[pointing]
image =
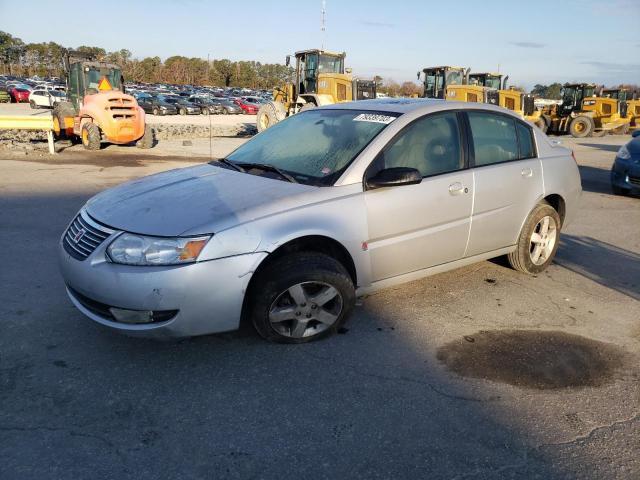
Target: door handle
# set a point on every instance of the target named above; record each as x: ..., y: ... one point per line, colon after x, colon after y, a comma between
x: 457, y: 188
x: 526, y: 172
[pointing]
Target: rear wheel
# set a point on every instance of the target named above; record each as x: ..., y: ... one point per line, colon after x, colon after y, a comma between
x: 538, y: 241
x: 301, y: 297
x: 205, y: 110
x: 581, y: 126
x: 32, y: 104
x: 183, y: 111
x: 148, y: 139
x: 91, y: 136
x: 155, y: 111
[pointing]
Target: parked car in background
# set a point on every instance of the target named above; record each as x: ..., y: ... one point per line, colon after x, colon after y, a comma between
x: 248, y: 108
x: 19, y: 94
x: 184, y: 106
x: 257, y: 101
x: 329, y: 204
x: 229, y: 108
x: 207, y: 106
x: 157, y: 106
x: 625, y: 173
x: 46, y: 98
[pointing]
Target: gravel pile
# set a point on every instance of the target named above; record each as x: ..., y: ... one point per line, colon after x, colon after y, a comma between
x: 28, y: 141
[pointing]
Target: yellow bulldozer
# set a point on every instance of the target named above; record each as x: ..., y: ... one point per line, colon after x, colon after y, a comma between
x: 456, y: 83
x: 583, y: 114
x: 320, y: 78
x: 629, y: 104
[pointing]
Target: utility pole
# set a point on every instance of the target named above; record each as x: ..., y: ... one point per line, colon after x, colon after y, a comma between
x: 323, y: 28
x: 208, y: 64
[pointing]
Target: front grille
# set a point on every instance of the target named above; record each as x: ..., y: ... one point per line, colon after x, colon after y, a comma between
x: 83, y: 236
x: 634, y: 180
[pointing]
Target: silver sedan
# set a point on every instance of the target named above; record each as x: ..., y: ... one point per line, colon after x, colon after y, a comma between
x: 332, y: 203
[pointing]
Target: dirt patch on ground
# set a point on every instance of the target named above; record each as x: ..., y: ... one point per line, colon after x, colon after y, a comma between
x: 533, y: 359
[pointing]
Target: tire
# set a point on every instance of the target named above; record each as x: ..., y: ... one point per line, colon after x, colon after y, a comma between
x: 523, y: 258
x: 308, y: 275
x: 33, y: 105
x: 91, y: 136
x: 269, y: 114
x: 155, y: 111
x: 61, y: 111
x: 148, y: 140
x: 618, y: 191
x: 581, y: 126
x: 205, y: 111
x: 225, y: 111
x: 183, y: 111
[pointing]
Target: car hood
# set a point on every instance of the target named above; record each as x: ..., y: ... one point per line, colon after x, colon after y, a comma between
x: 197, y: 200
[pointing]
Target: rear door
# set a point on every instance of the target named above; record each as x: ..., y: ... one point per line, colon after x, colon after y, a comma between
x: 412, y: 227
x: 507, y: 179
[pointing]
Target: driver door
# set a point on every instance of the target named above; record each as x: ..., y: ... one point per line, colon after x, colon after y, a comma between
x: 412, y: 227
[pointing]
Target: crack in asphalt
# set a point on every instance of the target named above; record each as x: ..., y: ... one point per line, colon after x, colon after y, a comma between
x: 587, y: 436
x: 356, y: 369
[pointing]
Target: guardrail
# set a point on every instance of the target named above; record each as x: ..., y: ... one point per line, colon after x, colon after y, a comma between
x: 30, y: 122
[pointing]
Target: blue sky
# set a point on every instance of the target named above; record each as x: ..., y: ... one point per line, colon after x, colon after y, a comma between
x: 534, y: 41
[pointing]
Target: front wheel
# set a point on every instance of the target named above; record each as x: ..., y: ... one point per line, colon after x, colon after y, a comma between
x: 301, y: 297
x: 148, y: 139
x: 91, y: 136
x: 155, y: 111
x: 538, y: 241
x: 581, y: 126
x: 183, y: 111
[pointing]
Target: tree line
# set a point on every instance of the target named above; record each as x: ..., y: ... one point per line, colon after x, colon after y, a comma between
x: 46, y: 60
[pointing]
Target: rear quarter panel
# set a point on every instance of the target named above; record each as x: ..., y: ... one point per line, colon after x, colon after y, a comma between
x: 560, y: 174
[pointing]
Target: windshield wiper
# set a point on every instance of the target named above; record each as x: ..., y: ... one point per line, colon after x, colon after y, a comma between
x: 271, y: 168
x: 235, y: 166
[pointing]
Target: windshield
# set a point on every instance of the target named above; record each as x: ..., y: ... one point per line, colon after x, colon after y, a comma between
x: 113, y: 75
x: 493, y: 82
x: 314, y: 146
x: 454, y: 77
x: 329, y: 64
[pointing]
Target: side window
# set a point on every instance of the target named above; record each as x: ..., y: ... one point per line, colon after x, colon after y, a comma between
x: 525, y: 140
x: 430, y: 145
x: 494, y: 138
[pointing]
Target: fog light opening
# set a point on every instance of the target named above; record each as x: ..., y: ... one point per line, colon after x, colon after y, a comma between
x: 132, y: 316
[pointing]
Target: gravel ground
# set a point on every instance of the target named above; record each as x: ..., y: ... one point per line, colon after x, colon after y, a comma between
x: 481, y: 372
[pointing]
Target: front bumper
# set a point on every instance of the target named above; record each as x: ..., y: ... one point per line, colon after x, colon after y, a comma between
x: 625, y: 174
x: 202, y: 298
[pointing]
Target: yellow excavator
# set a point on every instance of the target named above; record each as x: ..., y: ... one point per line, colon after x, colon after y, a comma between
x: 320, y: 79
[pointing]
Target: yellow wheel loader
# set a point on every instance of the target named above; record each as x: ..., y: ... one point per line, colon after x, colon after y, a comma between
x: 320, y: 79
x: 629, y: 105
x: 583, y: 114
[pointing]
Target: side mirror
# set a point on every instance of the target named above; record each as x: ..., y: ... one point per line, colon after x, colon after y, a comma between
x: 394, y: 177
x: 419, y: 75
x: 635, y: 133
x: 288, y: 60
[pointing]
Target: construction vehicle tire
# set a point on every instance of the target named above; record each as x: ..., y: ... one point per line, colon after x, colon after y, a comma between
x: 61, y: 111
x: 91, y: 136
x: 148, y: 139
x: 581, y: 126
x: 269, y: 114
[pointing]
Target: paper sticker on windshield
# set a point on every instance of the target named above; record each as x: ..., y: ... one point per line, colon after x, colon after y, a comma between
x: 375, y: 118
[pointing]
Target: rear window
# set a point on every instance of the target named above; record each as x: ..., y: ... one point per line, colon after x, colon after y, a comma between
x: 494, y: 138
x: 525, y: 140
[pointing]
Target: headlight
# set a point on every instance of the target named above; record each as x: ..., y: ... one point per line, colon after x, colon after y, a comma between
x: 130, y: 249
x: 623, y: 153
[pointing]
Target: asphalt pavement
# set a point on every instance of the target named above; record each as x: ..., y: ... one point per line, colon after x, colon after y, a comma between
x: 480, y: 372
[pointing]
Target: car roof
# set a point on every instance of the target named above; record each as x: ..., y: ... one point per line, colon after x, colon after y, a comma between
x: 410, y: 105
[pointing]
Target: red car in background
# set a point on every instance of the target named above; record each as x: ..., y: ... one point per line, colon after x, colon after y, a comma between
x: 19, y: 94
x: 247, y: 108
